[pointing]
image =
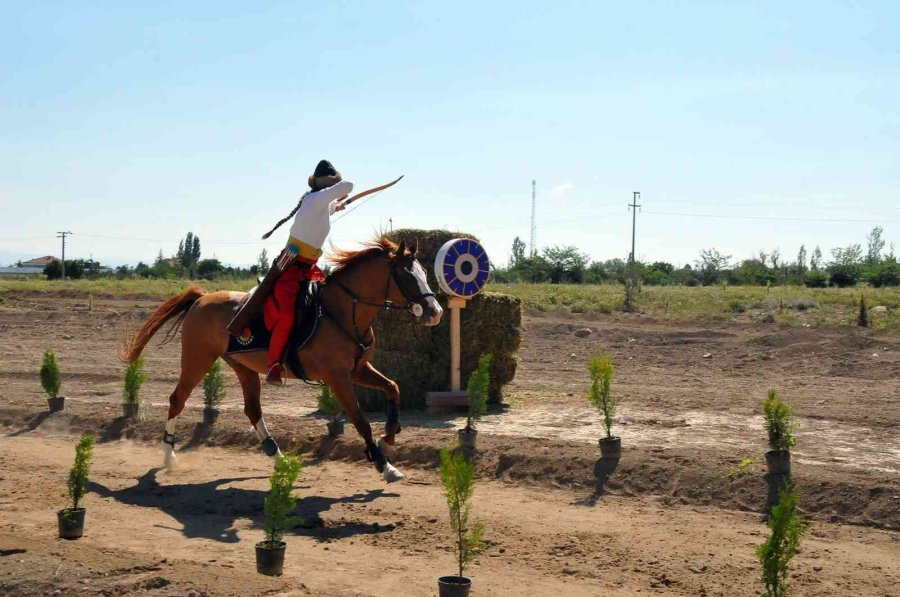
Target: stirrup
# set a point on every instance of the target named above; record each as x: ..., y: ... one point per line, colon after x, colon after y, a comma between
x: 278, y: 382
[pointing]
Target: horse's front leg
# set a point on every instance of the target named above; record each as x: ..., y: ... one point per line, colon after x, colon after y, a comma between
x: 342, y: 387
x: 370, y: 377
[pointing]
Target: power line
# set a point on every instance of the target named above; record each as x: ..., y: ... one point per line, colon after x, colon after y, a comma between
x: 771, y: 218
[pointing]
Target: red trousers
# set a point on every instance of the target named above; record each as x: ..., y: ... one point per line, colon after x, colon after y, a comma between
x: 279, y: 310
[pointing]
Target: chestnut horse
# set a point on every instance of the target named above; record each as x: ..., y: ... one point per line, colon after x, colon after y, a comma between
x: 380, y: 276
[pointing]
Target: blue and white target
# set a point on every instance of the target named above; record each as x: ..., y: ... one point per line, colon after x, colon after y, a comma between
x: 462, y: 267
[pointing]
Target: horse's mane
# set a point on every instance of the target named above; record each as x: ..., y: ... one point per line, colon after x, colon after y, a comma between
x: 344, y: 259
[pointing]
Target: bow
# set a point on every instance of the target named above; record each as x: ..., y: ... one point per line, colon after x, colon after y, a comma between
x: 372, y: 190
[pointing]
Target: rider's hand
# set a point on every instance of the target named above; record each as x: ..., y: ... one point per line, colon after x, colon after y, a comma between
x: 340, y: 206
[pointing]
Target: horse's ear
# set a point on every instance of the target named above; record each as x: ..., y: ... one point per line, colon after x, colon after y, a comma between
x: 414, y: 247
x: 401, y: 250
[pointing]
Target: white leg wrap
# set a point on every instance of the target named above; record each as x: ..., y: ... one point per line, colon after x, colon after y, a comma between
x: 170, y: 461
x: 261, y: 431
x: 391, y: 473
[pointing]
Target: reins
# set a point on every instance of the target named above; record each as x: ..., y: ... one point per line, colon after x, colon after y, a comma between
x: 357, y: 337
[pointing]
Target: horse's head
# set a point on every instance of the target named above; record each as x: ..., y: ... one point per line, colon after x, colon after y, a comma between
x: 412, y: 284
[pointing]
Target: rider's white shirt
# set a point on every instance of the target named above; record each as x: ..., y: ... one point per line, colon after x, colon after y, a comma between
x: 313, y: 220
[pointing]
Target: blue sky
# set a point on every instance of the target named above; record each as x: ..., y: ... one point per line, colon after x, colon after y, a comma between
x: 745, y: 126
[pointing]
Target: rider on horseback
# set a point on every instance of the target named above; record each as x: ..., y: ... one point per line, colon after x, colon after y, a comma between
x: 297, y: 262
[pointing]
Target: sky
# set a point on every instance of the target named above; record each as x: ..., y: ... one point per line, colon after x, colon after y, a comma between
x: 745, y: 126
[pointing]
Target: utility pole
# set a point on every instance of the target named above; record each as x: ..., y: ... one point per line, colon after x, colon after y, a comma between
x: 533, y: 223
x: 391, y: 221
x: 633, y: 206
x: 63, y: 235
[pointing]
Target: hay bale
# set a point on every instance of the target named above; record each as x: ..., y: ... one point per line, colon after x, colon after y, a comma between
x: 418, y: 358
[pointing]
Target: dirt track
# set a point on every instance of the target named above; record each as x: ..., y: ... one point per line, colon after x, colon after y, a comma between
x: 652, y: 524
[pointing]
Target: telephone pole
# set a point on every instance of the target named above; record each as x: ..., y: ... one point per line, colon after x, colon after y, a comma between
x: 533, y: 223
x: 633, y: 206
x: 63, y: 235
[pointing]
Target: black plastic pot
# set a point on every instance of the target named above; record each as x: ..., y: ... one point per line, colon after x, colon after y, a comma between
x: 56, y: 404
x: 467, y: 438
x: 210, y: 414
x: 611, y: 448
x: 71, y: 523
x: 779, y: 462
x: 131, y: 409
x: 270, y: 560
x: 335, y: 427
x: 454, y: 586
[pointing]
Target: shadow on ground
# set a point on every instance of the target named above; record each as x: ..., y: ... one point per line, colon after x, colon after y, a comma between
x: 209, y: 510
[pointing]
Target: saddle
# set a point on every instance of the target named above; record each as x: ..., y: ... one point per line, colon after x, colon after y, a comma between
x: 256, y: 337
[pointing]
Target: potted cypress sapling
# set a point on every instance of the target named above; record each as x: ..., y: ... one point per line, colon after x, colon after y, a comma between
x: 213, y: 392
x: 51, y: 383
x: 458, y: 481
x: 780, y: 426
x: 478, y: 388
x: 71, y: 520
x: 331, y: 406
x: 601, y: 370
x: 776, y: 552
x: 131, y: 387
x: 278, y: 507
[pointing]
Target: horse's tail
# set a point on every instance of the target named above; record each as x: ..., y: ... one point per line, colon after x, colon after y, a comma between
x: 178, y: 305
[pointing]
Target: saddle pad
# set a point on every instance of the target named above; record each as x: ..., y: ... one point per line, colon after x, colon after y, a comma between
x: 256, y: 337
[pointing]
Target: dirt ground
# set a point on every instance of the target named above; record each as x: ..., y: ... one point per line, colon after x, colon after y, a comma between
x: 669, y: 518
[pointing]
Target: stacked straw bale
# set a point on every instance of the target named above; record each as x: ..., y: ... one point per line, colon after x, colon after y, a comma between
x: 418, y: 358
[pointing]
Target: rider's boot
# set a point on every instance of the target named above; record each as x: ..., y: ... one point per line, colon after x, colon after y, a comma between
x: 275, y: 376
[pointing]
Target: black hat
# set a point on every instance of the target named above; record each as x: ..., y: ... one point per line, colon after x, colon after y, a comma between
x: 324, y: 176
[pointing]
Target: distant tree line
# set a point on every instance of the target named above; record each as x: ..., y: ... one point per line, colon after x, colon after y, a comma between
x: 848, y: 266
x: 186, y: 263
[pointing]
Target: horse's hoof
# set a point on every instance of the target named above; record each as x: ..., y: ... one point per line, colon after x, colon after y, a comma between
x: 170, y: 463
x: 391, y: 474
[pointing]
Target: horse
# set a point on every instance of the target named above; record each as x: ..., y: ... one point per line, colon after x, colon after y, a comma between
x: 381, y: 275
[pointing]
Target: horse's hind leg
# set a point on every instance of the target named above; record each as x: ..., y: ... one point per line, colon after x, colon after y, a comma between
x: 252, y: 408
x: 192, y: 372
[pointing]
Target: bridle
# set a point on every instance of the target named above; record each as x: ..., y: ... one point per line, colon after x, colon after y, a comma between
x: 413, y: 300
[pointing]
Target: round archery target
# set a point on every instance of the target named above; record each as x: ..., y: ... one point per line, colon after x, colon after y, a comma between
x: 462, y: 267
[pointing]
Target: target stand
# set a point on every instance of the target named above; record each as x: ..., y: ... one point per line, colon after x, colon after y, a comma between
x: 462, y: 268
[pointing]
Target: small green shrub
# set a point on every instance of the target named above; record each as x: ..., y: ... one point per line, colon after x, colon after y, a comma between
x: 601, y: 369
x: 281, y: 502
x: 50, y: 379
x: 776, y: 552
x: 862, y: 319
x: 134, y: 379
x: 78, y: 474
x: 780, y: 423
x: 214, y: 385
x: 458, y: 481
x: 478, y: 389
x: 743, y: 468
x: 329, y: 404
x: 736, y: 306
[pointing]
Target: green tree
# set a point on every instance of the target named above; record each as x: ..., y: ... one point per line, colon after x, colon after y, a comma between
x: 214, y: 385
x: 600, y: 369
x: 710, y: 266
x: 281, y: 502
x: 801, y: 261
x: 53, y: 270
x: 50, y: 378
x: 133, y: 380
x: 566, y: 264
x: 518, y: 252
x: 846, y: 265
x: 262, y: 262
x: 78, y: 474
x: 478, y: 389
x: 189, y: 253
x: 776, y: 553
x: 875, y: 246
x: 815, y: 261
x: 209, y: 269
x: 458, y: 481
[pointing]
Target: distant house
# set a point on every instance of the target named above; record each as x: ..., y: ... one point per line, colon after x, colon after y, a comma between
x: 39, y: 261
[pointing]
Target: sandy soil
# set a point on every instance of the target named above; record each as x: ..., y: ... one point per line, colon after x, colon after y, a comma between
x: 667, y: 519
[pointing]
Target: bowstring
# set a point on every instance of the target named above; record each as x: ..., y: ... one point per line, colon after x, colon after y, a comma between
x: 353, y: 209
